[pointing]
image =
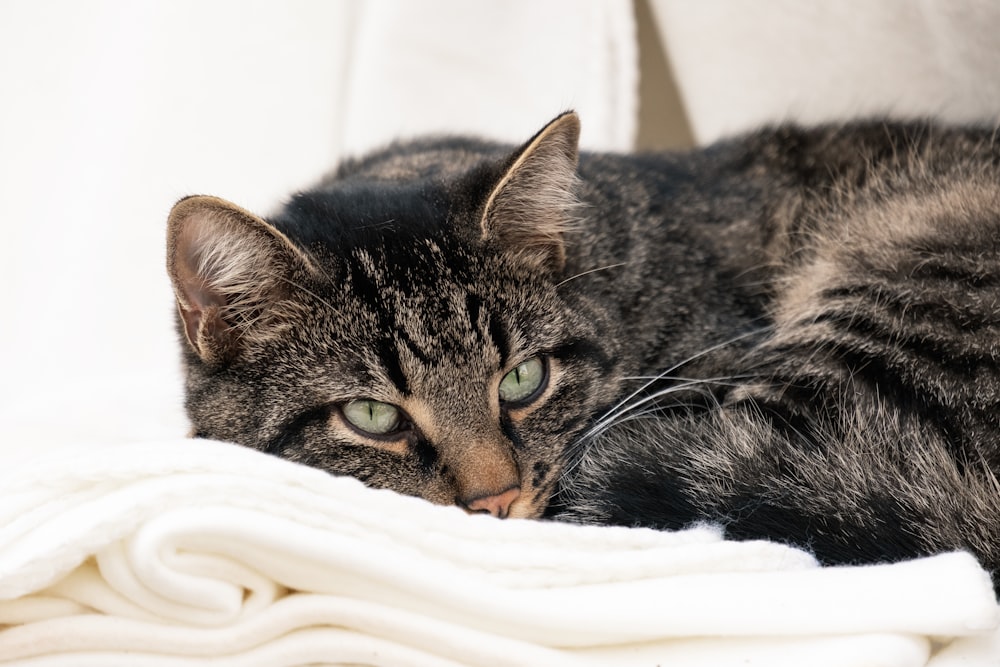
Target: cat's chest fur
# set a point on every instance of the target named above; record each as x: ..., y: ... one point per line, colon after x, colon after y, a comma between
x: 778, y: 332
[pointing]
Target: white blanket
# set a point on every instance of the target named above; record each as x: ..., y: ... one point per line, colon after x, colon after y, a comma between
x: 201, y: 553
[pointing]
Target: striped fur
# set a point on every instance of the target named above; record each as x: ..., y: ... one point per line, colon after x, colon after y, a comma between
x: 795, y: 333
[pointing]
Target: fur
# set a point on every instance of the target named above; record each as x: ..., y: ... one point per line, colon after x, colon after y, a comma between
x: 792, y: 333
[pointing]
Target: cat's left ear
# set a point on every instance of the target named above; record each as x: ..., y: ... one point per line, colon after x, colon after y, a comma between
x: 534, y: 201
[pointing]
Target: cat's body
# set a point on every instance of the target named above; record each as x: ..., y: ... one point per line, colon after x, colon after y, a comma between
x: 795, y: 333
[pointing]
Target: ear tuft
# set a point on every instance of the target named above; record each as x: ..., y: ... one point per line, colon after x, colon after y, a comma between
x: 229, y: 269
x: 534, y: 202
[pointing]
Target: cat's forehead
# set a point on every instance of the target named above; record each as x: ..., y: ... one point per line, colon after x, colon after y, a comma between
x: 347, y: 215
x: 412, y: 322
x: 419, y: 268
x: 432, y: 291
x: 435, y: 303
x: 411, y: 235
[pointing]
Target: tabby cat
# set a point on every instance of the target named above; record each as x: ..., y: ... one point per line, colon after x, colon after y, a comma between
x: 795, y: 334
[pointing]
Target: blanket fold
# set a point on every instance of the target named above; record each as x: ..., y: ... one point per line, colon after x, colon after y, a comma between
x: 201, y: 553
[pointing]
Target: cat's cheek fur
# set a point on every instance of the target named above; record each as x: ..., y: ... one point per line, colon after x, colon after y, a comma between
x: 378, y: 469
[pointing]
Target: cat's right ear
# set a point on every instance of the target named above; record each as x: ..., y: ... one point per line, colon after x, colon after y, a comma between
x: 230, y: 270
x: 535, y: 201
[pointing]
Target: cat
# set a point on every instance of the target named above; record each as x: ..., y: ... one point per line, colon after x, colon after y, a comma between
x: 793, y: 333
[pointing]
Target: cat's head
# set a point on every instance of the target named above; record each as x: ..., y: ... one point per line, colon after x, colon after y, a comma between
x: 404, y: 323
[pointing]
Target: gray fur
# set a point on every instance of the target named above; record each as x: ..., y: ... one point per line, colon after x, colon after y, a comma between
x: 794, y: 333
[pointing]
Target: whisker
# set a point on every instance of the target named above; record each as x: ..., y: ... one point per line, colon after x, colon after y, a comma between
x: 583, y: 273
x: 693, y: 357
x: 629, y: 408
x: 611, y: 417
x: 629, y: 413
x: 649, y: 412
x: 681, y: 378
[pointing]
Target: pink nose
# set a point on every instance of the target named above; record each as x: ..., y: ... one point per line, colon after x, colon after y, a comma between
x: 498, y: 505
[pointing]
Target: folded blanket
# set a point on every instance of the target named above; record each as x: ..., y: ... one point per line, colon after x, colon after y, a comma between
x: 202, y: 553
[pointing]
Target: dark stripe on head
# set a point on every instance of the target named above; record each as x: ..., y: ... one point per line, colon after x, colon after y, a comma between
x: 500, y: 340
x: 363, y: 286
x: 388, y: 354
x: 405, y: 339
x: 473, y: 305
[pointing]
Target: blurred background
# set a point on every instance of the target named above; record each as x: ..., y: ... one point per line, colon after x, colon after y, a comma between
x: 111, y: 110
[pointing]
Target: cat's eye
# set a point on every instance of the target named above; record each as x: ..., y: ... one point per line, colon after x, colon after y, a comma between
x: 524, y: 382
x: 372, y: 417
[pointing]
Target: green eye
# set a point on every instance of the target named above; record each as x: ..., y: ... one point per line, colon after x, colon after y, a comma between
x: 522, y: 382
x: 372, y: 417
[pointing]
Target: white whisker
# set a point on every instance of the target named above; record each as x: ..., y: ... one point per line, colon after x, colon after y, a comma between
x: 681, y: 378
x: 693, y: 357
x: 583, y: 273
x: 610, y: 417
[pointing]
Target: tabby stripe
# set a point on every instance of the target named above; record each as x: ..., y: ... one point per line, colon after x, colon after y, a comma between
x: 936, y: 351
x: 290, y: 430
x: 388, y: 354
x: 507, y: 425
x: 404, y: 337
x: 958, y: 315
x: 873, y: 369
x: 473, y: 306
x: 425, y: 452
x: 581, y: 349
x: 500, y: 339
x: 935, y: 270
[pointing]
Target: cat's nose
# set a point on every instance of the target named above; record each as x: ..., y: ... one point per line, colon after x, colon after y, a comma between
x: 498, y: 505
